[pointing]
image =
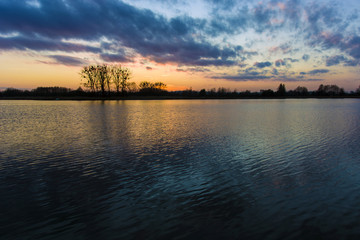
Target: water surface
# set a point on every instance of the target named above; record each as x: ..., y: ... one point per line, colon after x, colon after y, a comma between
x: 180, y: 169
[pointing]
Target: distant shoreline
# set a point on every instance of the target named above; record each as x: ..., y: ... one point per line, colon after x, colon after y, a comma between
x: 167, y: 98
x: 153, y: 93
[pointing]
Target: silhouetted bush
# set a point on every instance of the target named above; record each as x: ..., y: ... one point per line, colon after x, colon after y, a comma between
x: 301, y: 91
x: 51, y: 91
x: 267, y: 93
x: 12, y: 92
x: 330, y: 90
x: 202, y: 93
x: 154, y: 89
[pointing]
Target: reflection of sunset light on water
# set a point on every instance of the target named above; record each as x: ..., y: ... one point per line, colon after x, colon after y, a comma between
x: 131, y: 167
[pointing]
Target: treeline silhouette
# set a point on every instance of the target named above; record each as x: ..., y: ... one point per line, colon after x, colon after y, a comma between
x: 298, y: 92
x: 158, y: 89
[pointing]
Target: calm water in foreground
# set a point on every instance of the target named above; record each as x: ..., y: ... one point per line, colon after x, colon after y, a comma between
x: 180, y: 169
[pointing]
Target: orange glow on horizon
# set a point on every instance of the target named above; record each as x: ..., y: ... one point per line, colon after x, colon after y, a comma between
x: 24, y: 71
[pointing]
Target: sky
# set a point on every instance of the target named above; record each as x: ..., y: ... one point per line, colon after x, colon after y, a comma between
x: 241, y: 45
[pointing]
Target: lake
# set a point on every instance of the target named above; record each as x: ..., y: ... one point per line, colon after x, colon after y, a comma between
x: 180, y: 169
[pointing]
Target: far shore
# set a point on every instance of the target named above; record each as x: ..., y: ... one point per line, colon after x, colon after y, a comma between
x: 81, y: 98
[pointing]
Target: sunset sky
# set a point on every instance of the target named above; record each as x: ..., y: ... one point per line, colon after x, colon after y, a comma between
x: 184, y: 43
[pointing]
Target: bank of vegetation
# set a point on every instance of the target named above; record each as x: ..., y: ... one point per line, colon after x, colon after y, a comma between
x: 157, y: 90
x: 113, y: 82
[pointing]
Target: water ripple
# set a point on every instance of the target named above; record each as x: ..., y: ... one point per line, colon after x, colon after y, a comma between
x: 254, y: 169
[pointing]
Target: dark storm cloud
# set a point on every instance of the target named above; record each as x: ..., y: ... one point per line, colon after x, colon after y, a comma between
x: 262, y: 64
x: 179, y: 26
x: 149, y: 34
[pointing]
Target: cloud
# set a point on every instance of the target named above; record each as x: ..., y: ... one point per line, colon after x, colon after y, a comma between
x: 318, y: 71
x: 262, y: 64
x: 280, y: 62
x: 115, y: 57
x: 105, y: 28
x: 306, y: 57
x: 250, y: 75
x: 320, y: 16
x: 284, y: 49
x: 291, y: 60
x: 285, y: 62
x: 329, y: 29
x: 149, y: 68
x: 193, y: 69
x: 348, y: 45
x: 179, y: 26
x: 67, y: 60
x: 198, y: 69
x: 43, y: 44
x: 352, y: 63
x: 353, y: 47
x: 335, y: 60
x: 148, y: 34
x: 241, y: 78
x: 223, y: 4
x: 275, y: 71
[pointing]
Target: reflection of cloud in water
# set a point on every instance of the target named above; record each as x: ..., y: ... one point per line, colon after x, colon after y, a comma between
x: 214, y: 168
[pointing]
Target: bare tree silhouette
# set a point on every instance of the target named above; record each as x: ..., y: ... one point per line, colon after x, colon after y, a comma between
x: 101, y: 77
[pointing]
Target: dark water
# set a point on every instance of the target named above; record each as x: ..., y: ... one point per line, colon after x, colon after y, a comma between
x: 212, y: 169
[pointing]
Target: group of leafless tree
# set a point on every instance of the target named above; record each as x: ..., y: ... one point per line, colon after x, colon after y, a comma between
x: 104, y: 78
